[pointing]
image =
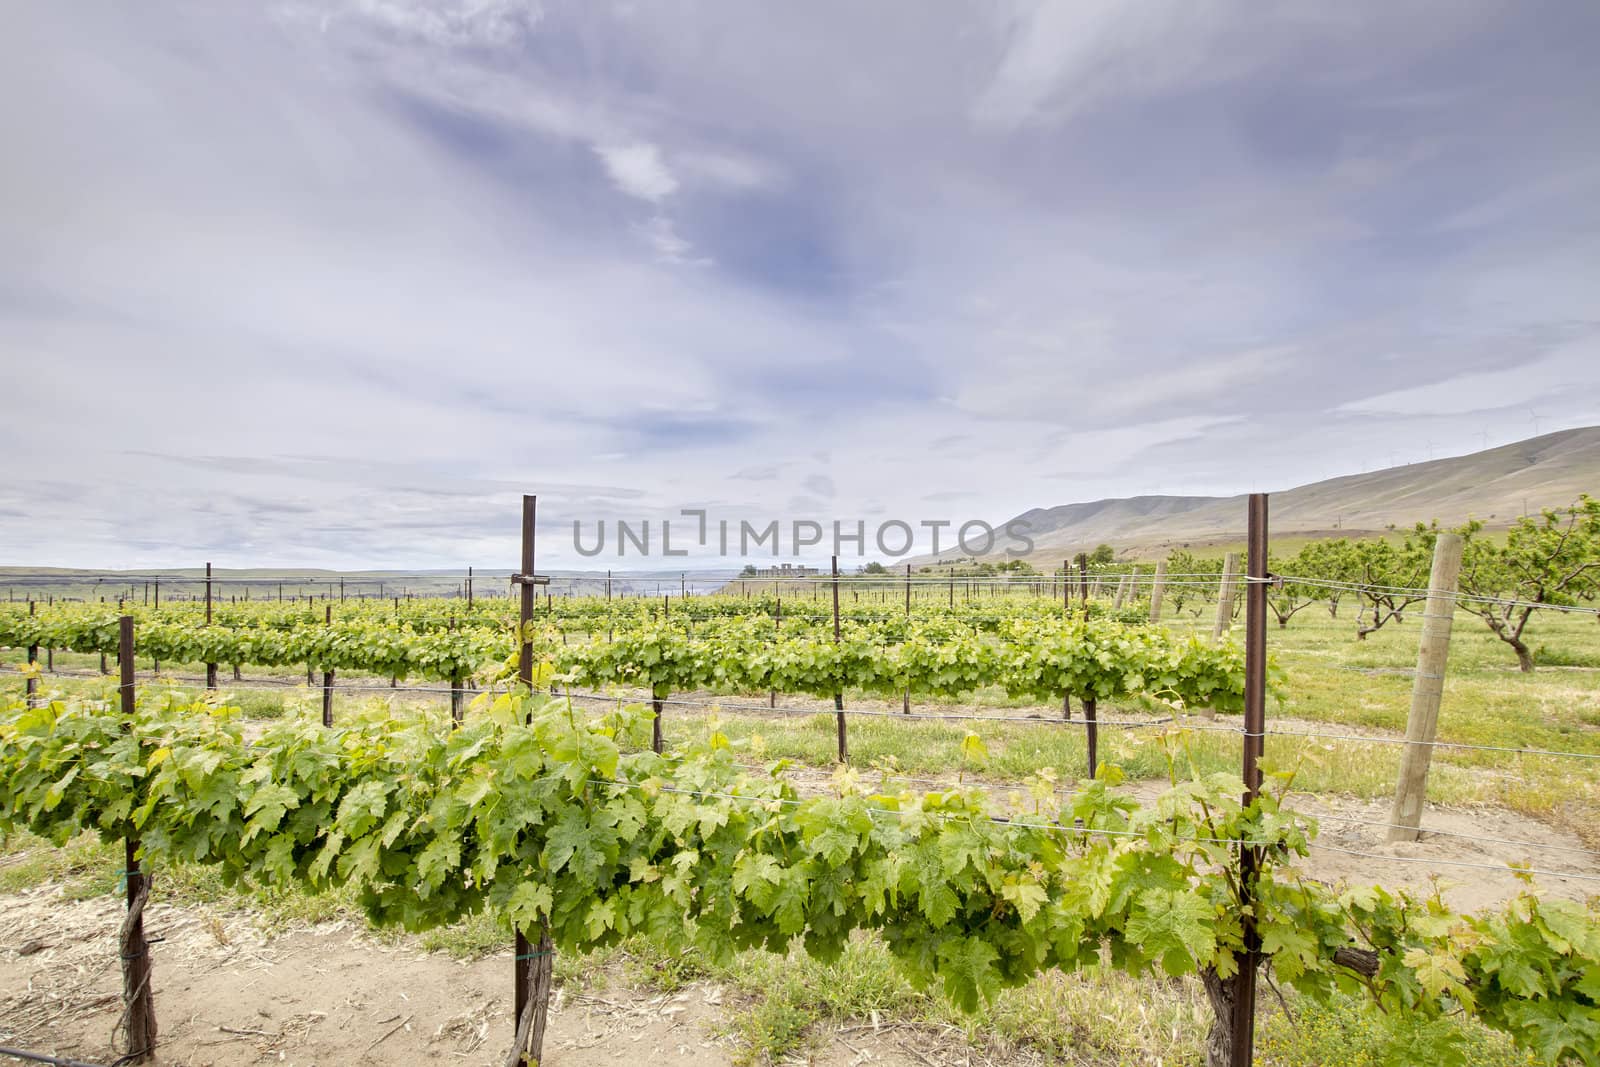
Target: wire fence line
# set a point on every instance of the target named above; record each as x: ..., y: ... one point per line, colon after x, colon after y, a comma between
x: 890, y: 586
x: 1438, y: 594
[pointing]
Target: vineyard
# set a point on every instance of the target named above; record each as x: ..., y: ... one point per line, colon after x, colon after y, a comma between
x: 611, y: 770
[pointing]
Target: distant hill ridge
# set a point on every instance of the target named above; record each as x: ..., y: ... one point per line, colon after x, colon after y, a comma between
x: 1494, y: 485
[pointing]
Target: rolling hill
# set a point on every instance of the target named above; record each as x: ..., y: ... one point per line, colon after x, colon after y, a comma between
x: 1495, y: 485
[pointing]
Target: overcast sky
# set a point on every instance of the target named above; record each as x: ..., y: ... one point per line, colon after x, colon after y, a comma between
x: 334, y: 283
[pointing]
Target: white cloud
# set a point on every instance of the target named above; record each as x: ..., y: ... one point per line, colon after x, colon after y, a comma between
x: 1570, y: 368
x: 638, y: 170
x: 728, y: 170
x: 446, y: 23
x: 1061, y: 56
x: 661, y: 235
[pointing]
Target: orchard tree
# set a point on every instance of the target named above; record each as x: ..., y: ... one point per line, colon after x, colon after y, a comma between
x: 1391, y: 577
x: 1325, y: 561
x: 1187, y: 574
x: 1103, y: 555
x: 1550, y: 561
x: 1289, y: 597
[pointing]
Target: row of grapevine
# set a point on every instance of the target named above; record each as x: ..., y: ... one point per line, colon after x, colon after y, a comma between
x: 534, y: 813
x: 1044, y: 657
x: 589, y: 614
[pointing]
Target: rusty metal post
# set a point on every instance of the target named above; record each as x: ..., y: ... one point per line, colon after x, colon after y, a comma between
x: 1066, y: 588
x: 211, y: 668
x: 838, y: 697
x: 1083, y: 582
x: 777, y: 625
x: 526, y: 589
x: 457, y: 692
x: 138, y: 999
x: 1092, y: 726
x: 1243, y: 1023
x: 31, y: 685
x: 327, y: 676
x: 905, y: 700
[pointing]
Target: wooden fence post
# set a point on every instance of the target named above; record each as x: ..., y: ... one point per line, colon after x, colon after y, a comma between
x: 137, y: 998
x: 1433, y: 650
x: 1157, y: 587
x: 1230, y: 569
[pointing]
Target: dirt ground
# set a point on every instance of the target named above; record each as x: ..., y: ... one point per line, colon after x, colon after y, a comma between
x: 227, y: 993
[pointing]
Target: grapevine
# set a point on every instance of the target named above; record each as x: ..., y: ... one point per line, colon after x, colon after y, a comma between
x: 535, y: 813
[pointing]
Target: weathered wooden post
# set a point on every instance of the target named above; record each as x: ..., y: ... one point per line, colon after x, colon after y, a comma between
x: 1157, y: 587
x: 1230, y: 571
x: 1433, y: 650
